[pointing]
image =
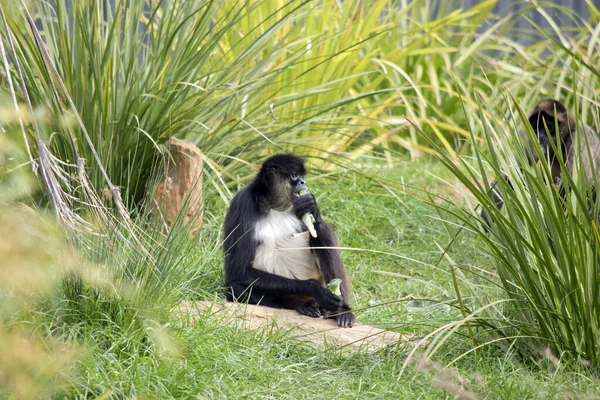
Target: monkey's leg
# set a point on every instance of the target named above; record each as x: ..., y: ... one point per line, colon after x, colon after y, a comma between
x: 309, y: 308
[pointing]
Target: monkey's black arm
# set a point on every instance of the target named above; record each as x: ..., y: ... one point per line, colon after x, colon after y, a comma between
x: 238, y: 231
x: 326, y: 249
x: 325, y: 244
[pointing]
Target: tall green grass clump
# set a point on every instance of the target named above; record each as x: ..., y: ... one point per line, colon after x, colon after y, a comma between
x: 544, y: 243
x: 131, y: 76
x: 318, y: 77
x: 230, y: 76
x: 65, y: 301
x: 541, y: 298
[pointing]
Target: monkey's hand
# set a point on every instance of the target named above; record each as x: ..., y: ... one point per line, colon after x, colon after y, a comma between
x: 327, y: 300
x: 306, y: 204
x: 345, y: 318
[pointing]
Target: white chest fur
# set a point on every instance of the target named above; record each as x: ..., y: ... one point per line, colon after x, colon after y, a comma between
x: 284, y: 248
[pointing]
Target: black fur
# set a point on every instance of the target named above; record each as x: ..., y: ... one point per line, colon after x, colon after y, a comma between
x: 546, y: 117
x: 276, y: 186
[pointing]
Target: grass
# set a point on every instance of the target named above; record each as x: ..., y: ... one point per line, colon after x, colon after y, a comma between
x: 129, y: 345
x: 211, y: 358
x: 222, y: 362
x: 362, y: 90
x: 544, y: 247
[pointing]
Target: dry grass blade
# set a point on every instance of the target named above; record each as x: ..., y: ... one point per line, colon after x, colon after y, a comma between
x: 59, y: 184
x: 51, y: 172
x: 52, y: 71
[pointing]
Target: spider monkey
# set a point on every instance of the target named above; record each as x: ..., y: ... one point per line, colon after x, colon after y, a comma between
x: 270, y: 257
x: 546, y: 117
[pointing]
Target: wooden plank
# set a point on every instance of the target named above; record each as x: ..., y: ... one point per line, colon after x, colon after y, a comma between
x: 318, y: 331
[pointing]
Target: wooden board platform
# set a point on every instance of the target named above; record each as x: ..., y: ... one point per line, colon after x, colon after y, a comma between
x: 321, y: 332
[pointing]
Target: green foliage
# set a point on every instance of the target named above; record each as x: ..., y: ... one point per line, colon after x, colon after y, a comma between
x: 545, y: 248
x: 142, y: 72
x: 229, y: 75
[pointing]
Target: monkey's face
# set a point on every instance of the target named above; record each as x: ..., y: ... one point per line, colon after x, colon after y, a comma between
x: 551, y: 122
x: 544, y: 128
x: 284, y: 187
x: 297, y: 184
x: 280, y: 179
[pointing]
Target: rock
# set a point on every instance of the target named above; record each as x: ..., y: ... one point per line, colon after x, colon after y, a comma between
x: 318, y: 331
x: 181, y: 186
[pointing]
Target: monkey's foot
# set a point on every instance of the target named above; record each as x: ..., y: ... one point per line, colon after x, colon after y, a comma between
x: 310, y: 308
x: 345, y: 320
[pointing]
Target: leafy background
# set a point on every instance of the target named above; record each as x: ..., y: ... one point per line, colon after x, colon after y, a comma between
x: 405, y: 111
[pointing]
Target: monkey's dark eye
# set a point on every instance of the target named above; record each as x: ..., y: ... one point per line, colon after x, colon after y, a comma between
x: 294, y: 177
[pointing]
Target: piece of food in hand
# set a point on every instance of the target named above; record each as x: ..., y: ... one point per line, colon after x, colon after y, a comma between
x: 309, y: 220
x: 334, y: 286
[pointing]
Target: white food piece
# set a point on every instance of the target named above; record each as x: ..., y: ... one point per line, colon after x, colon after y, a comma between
x: 308, y: 220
